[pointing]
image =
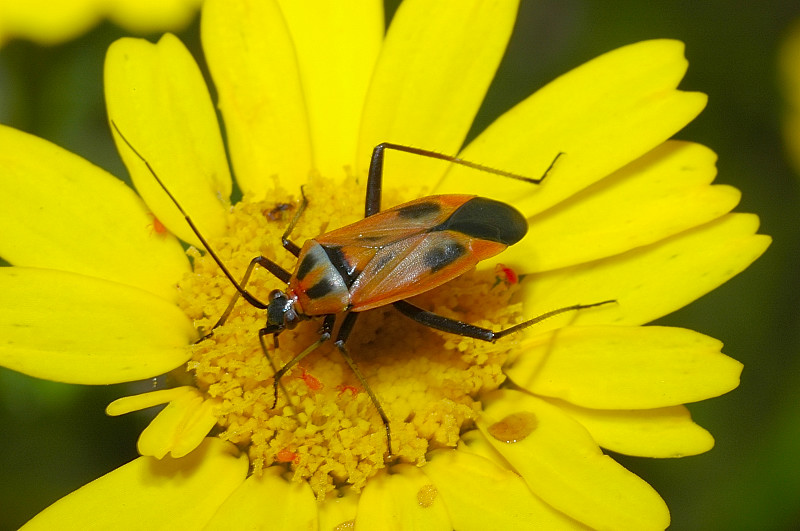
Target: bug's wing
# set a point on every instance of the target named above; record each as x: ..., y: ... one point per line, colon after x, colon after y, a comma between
x: 417, y: 264
x: 395, y: 224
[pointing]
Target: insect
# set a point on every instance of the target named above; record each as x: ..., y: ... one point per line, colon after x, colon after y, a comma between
x: 385, y: 258
x: 277, y: 213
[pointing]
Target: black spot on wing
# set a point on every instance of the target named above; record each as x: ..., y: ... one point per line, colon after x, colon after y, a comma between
x: 320, y: 289
x: 304, y: 268
x: 486, y: 219
x: 443, y: 255
x: 339, y: 261
x: 419, y: 210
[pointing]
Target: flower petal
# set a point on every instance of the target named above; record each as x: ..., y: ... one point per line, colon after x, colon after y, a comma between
x: 662, y: 432
x: 47, y: 22
x: 254, y: 66
x: 58, y: 211
x: 658, y: 195
x: 335, y: 74
x: 71, y: 328
x: 128, y: 404
x: 404, y: 499
x: 481, y: 495
x: 621, y: 367
x: 649, y: 282
x: 152, y: 15
x: 156, y: 95
x: 563, y: 465
x: 601, y: 115
x: 435, y: 67
x: 152, y: 494
x: 268, y: 502
x: 179, y: 427
x: 339, y: 510
x: 789, y: 62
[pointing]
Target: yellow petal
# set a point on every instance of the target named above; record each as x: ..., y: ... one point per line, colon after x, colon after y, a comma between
x: 58, y: 211
x: 433, y: 72
x: 269, y: 502
x: 649, y: 282
x: 480, y: 495
x: 127, y: 404
x: 562, y: 464
x: 621, y: 367
x: 151, y: 494
x: 663, y: 432
x: 337, y: 45
x: 71, y: 328
x: 156, y: 95
x: 254, y: 66
x: 404, y: 499
x: 661, y: 194
x: 790, y: 76
x: 144, y: 16
x: 338, y: 510
x: 47, y: 22
x: 601, y: 115
x: 179, y: 427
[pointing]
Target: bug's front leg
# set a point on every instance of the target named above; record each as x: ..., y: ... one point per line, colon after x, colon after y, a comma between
x: 325, y: 335
x: 341, y: 338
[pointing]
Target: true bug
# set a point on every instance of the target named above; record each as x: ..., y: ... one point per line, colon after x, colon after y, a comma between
x: 383, y: 259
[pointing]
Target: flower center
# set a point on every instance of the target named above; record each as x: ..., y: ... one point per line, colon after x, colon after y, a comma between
x: 324, y: 427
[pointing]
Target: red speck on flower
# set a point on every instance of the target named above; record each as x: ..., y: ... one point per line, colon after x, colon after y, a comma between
x: 311, y: 382
x: 506, y: 275
x: 287, y: 456
x: 157, y: 227
x: 344, y: 388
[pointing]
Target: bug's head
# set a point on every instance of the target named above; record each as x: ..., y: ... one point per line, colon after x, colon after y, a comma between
x: 280, y: 312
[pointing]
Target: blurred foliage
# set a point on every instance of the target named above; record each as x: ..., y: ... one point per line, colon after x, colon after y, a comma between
x: 58, y: 437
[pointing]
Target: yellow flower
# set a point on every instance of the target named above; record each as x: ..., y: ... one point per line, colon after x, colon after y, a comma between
x: 504, y: 435
x: 53, y: 21
x: 790, y: 73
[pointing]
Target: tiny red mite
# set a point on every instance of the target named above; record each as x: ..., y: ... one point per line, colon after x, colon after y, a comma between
x: 311, y: 382
x: 383, y: 259
x: 157, y: 226
x: 506, y: 275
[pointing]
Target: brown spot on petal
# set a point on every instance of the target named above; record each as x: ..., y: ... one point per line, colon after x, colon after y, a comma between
x: 427, y: 495
x: 515, y: 427
x: 344, y: 526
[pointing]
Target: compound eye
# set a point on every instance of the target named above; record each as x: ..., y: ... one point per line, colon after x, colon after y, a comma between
x: 274, y: 294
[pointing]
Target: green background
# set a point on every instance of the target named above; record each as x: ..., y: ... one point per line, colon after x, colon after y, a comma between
x: 56, y: 437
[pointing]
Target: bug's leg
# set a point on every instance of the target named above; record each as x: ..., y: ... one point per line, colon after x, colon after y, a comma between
x: 261, y: 333
x: 341, y: 338
x: 372, y: 203
x: 460, y: 328
x: 267, y: 264
x: 325, y: 335
x: 287, y: 243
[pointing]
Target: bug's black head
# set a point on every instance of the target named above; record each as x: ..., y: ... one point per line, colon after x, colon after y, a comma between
x: 280, y: 313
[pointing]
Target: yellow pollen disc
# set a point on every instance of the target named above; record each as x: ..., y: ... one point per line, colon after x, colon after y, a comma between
x: 325, y: 428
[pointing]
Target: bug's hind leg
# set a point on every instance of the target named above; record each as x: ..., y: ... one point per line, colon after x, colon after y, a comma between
x: 460, y: 328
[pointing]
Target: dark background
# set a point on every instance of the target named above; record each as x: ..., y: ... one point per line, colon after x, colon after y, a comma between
x: 56, y: 437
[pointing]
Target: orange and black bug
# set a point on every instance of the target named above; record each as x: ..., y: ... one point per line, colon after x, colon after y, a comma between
x: 385, y: 258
